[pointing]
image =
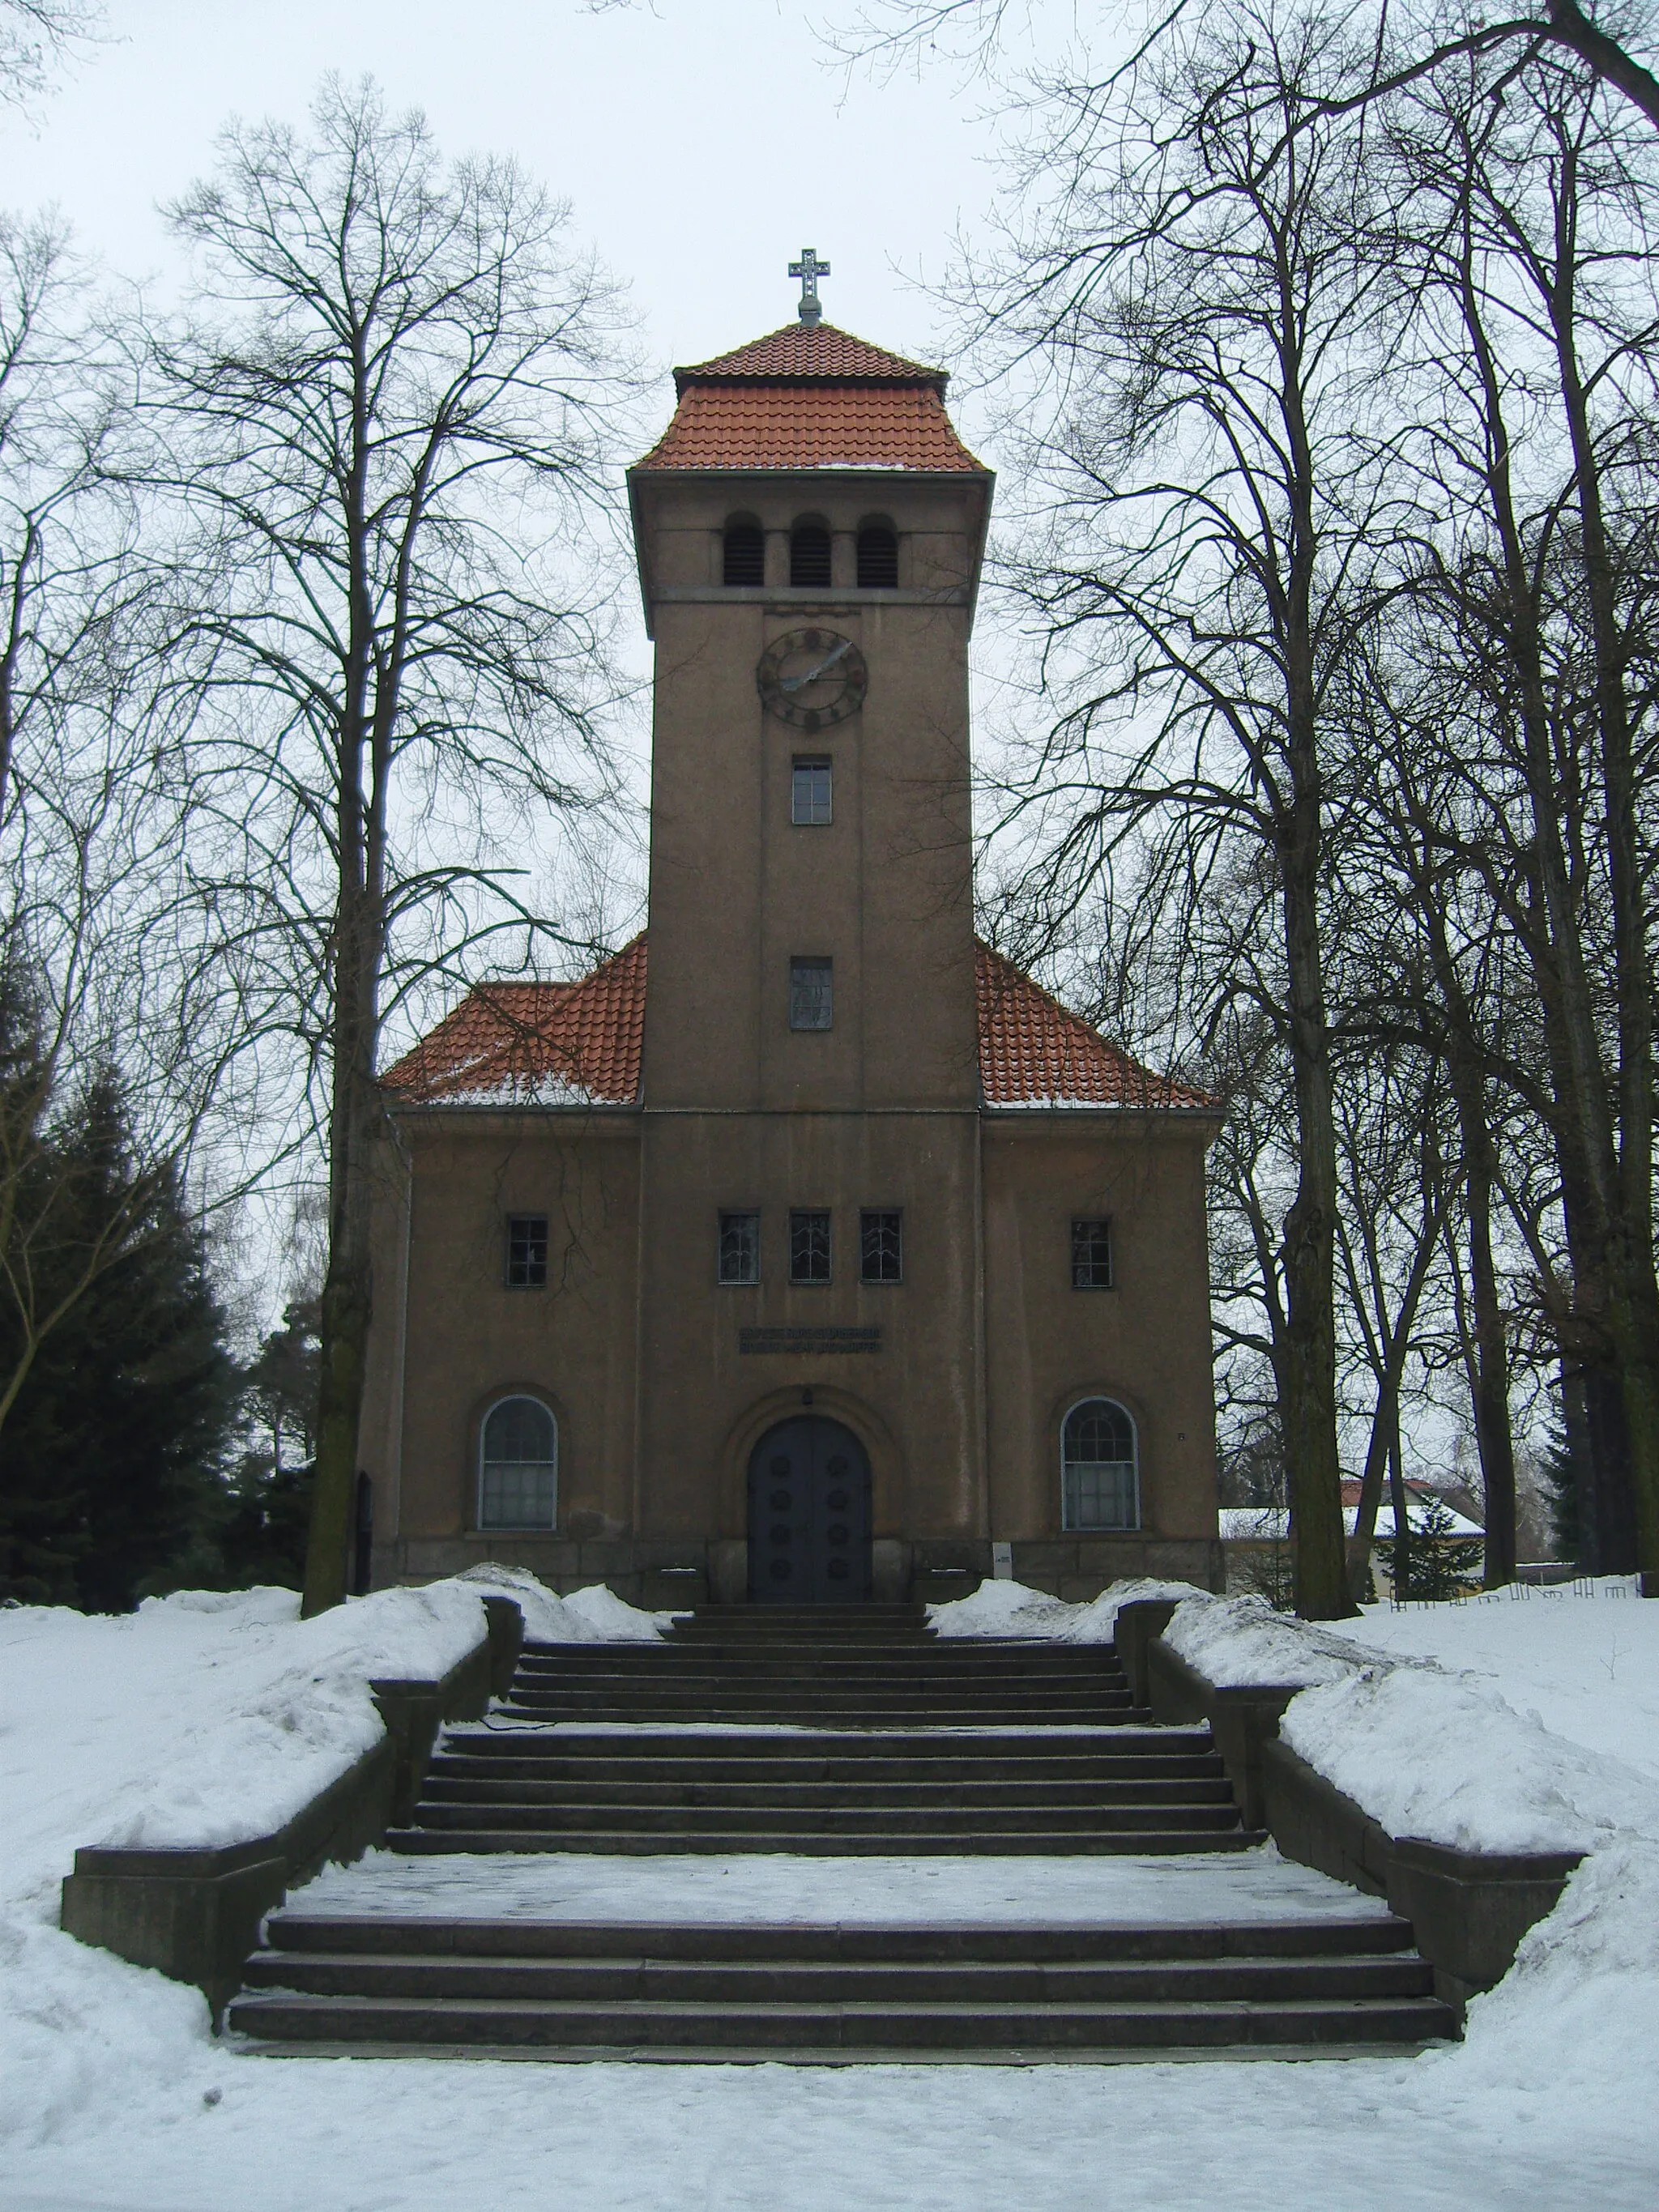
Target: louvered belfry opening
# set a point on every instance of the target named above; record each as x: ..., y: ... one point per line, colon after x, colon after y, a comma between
x: 809, y: 557
x: 877, y: 558
x: 745, y: 559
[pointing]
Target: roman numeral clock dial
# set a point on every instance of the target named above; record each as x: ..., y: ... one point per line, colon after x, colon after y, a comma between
x: 812, y: 679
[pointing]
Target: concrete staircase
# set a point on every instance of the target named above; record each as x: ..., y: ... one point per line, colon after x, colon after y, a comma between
x: 825, y: 1733
x: 729, y: 1992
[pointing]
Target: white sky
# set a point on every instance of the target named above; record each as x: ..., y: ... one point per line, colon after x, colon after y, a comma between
x: 701, y: 142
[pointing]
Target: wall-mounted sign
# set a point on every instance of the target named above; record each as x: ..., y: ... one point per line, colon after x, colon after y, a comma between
x: 824, y: 1339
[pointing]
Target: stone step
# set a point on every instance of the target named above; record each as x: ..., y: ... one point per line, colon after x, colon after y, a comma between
x: 797, y: 1982
x: 882, y: 1943
x: 650, y: 1704
x: 783, y: 1772
x: 833, y: 1816
x: 758, y: 1723
x: 977, y: 1840
x: 920, y: 1674
x: 444, y: 1786
x: 1174, y: 2024
x: 842, y: 1746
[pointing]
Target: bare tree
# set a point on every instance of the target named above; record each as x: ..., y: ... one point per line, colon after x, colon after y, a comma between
x: 1407, y: 45
x: 1199, y: 305
x: 1534, y: 290
x: 388, y: 420
x: 39, y: 39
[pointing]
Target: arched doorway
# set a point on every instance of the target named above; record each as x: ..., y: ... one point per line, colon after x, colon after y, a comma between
x: 809, y: 1514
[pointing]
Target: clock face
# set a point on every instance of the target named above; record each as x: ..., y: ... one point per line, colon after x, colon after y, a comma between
x: 812, y: 679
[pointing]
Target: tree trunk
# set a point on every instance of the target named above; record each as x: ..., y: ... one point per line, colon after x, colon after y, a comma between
x: 1486, y: 1344
x: 346, y: 1296
x: 1313, y: 1471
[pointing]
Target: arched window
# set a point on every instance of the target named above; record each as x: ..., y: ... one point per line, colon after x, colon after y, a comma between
x: 518, y: 1466
x: 878, y: 558
x: 809, y: 557
x: 744, y: 551
x: 1099, y: 1466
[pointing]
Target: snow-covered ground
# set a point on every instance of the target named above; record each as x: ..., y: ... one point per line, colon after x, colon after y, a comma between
x: 114, y: 2097
x: 1588, y: 1668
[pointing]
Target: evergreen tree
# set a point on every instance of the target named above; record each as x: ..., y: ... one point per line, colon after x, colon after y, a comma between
x: 110, y: 1474
x: 1560, y: 1478
x: 1433, y: 1564
x: 267, y: 1505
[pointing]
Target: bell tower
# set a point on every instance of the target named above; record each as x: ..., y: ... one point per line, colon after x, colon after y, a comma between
x: 809, y: 530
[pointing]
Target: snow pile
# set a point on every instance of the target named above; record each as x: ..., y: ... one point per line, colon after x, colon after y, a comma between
x: 1235, y: 1641
x: 1426, y: 1752
x: 1443, y: 1757
x: 203, y: 1718
x: 607, y: 1618
x: 1577, y: 2013
x: 593, y: 1615
x: 1008, y: 1608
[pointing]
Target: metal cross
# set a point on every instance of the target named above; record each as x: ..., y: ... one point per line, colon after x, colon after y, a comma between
x: 809, y: 268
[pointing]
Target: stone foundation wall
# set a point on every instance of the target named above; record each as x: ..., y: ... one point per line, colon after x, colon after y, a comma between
x: 672, y: 1574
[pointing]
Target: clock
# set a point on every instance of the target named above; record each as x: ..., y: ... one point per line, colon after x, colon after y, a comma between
x: 812, y: 679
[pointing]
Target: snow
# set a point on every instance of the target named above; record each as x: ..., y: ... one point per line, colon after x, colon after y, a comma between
x: 116, y: 2099
x: 872, y: 1892
x: 1010, y: 1608
x: 1271, y: 1524
x: 601, y: 1617
x: 1440, y: 1757
x: 1587, y: 1664
x: 1233, y: 1641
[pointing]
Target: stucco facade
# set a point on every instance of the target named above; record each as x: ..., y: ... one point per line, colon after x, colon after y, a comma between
x: 932, y: 1095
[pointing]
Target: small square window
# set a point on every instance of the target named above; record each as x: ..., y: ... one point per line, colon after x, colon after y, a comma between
x: 812, y: 994
x: 739, y: 1248
x: 809, y: 1247
x: 881, y: 1245
x: 810, y: 794
x: 526, y: 1252
x: 1091, y: 1255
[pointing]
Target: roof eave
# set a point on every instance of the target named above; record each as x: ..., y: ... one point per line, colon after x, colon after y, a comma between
x: 427, y: 1109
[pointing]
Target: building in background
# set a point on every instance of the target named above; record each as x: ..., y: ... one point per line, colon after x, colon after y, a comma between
x: 805, y: 1250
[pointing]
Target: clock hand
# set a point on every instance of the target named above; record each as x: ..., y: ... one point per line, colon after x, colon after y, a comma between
x: 812, y: 675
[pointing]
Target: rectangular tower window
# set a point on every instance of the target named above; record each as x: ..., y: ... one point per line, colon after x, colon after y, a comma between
x: 1091, y: 1255
x: 739, y: 1261
x: 812, y: 994
x: 809, y: 1247
x: 881, y: 1240
x: 810, y: 794
x: 526, y: 1252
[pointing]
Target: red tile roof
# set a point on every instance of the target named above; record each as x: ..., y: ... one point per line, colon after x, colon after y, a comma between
x: 535, y: 1044
x: 810, y: 398
x: 565, y: 1044
x: 817, y: 351
x: 806, y: 426
x: 1035, y: 1052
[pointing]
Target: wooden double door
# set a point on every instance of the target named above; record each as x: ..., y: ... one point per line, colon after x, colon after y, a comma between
x: 809, y: 1514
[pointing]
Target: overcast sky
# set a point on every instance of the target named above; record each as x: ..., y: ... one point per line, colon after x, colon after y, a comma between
x: 700, y: 143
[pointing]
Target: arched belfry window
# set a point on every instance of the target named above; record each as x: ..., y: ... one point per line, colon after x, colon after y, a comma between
x: 744, y: 551
x: 809, y: 557
x: 518, y: 1466
x: 878, y: 558
x: 1100, y: 1472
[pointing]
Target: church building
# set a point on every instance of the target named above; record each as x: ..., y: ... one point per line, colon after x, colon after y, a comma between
x: 807, y: 1250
